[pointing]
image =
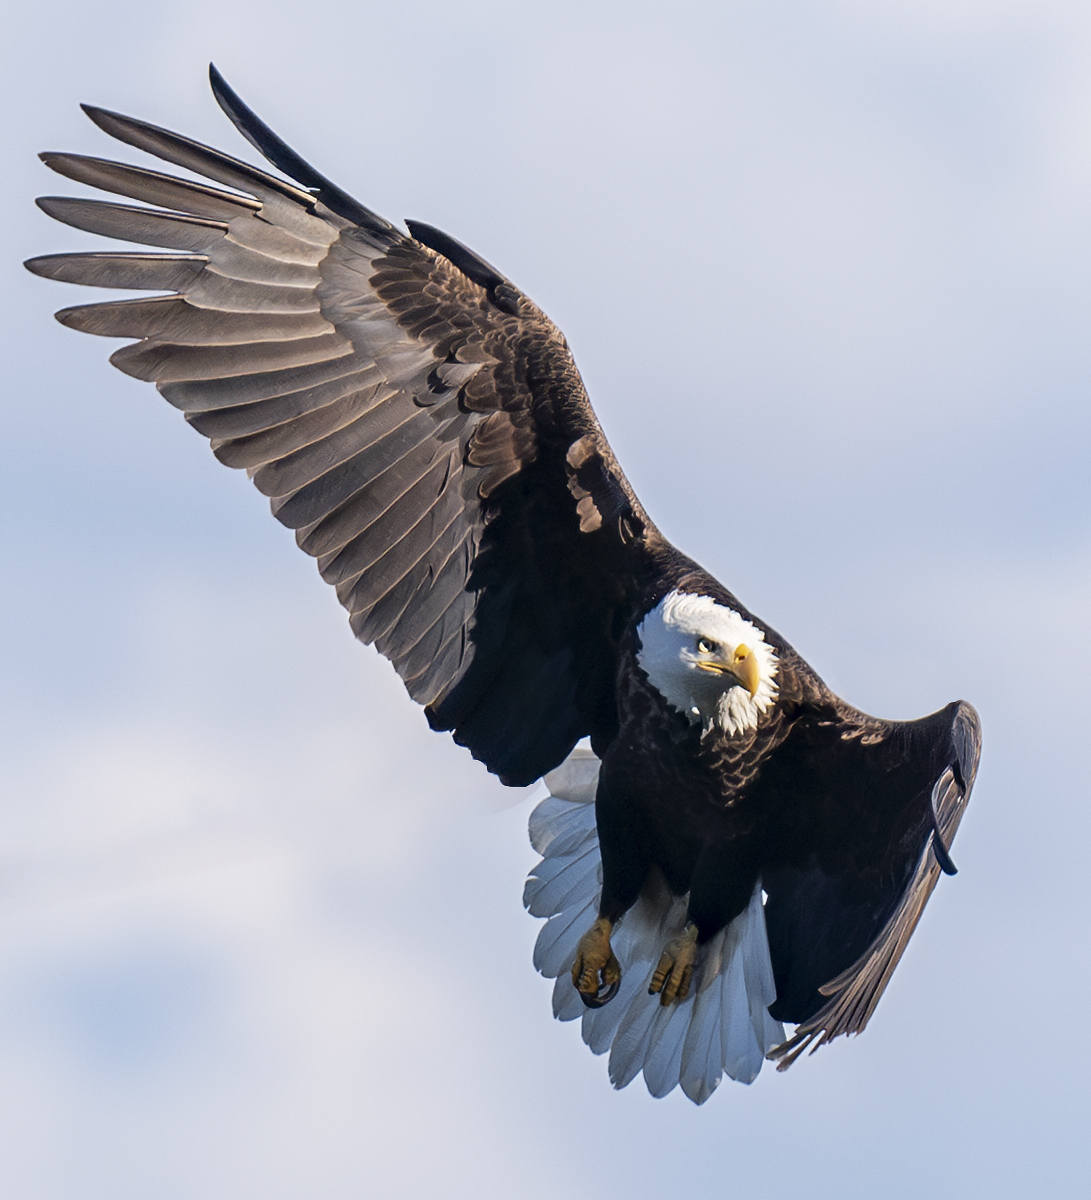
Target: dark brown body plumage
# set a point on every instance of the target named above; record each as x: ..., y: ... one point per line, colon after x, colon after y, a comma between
x: 681, y: 802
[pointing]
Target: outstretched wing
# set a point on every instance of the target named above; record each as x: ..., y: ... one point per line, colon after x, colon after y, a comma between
x: 876, y: 806
x: 410, y: 414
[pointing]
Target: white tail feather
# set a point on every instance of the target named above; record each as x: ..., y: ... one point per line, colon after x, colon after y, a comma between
x: 722, y: 1028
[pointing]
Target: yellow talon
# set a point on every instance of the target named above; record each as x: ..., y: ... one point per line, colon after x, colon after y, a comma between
x: 674, y: 974
x: 596, y: 973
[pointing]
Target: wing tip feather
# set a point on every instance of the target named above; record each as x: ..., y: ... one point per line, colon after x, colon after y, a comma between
x: 40, y: 265
x: 273, y: 147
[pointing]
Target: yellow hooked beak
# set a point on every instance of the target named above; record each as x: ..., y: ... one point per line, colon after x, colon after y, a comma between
x: 743, y: 664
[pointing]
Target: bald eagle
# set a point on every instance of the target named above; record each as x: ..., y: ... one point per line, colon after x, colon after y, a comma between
x: 738, y: 847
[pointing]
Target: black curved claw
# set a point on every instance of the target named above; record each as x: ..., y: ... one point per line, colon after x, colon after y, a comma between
x: 602, y: 996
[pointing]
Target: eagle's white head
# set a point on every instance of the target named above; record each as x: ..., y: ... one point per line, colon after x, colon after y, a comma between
x: 708, y: 662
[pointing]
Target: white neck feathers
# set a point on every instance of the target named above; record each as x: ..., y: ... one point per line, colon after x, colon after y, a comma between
x: 687, y: 643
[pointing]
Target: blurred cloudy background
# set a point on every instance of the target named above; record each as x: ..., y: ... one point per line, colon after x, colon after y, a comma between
x: 826, y: 267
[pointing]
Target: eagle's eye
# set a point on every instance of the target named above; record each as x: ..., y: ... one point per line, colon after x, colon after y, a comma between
x: 704, y: 646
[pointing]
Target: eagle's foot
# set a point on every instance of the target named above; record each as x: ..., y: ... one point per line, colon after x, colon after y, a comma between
x: 674, y: 974
x: 596, y: 973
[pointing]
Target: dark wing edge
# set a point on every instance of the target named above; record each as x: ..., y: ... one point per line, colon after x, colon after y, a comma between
x: 273, y: 147
x: 856, y: 991
x: 414, y: 418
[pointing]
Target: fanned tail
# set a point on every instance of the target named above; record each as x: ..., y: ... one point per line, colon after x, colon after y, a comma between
x: 722, y: 1028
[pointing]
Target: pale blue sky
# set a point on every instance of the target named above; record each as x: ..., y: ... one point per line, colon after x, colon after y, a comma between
x: 260, y: 932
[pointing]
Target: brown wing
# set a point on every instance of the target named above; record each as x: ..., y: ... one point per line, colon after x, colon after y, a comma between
x: 875, y: 807
x: 413, y: 417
